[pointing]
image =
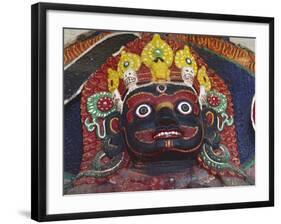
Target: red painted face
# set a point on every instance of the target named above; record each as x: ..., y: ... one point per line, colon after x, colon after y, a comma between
x: 160, y: 118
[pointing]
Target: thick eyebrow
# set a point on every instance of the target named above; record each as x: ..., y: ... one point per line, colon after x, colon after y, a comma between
x: 143, y: 96
x: 190, y: 95
x: 138, y: 97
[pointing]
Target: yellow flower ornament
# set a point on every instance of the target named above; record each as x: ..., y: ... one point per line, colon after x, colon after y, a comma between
x: 184, y: 58
x: 128, y: 61
x: 203, y: 79
x: 158, y: 56
x: 112, y: 80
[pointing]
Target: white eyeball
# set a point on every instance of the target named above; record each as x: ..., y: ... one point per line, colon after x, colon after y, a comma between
x: 184, y: 108
x: 143, y: 110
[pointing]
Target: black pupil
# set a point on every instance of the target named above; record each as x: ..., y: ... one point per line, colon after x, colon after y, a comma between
x: 185, y: 107
x: 143, y: 110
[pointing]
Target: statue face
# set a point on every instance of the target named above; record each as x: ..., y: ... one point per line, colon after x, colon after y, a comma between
x: 162, y: 119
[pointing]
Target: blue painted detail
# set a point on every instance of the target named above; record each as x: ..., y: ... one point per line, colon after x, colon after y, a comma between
x: 242, y: 87
x: 72, y: 137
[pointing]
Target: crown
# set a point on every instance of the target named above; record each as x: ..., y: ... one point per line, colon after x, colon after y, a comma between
x: 158, y: 56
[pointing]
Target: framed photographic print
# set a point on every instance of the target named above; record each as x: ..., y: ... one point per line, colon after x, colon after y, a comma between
x: 138, y: 111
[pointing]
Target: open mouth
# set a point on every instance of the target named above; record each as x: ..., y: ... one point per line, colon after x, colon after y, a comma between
x: 150, y: 135
x: 167, y: 134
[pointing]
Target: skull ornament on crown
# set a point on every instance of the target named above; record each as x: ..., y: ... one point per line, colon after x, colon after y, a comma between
x: 160, y: 122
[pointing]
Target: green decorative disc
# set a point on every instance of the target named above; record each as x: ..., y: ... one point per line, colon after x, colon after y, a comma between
x: 217, y: 101
x: 100, y: 105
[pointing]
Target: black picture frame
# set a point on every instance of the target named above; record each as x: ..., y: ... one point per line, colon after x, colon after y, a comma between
x: 39, y: 114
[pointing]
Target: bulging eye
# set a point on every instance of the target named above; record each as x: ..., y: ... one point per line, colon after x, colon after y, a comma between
x: 184, y: 107
x: 143, y: 110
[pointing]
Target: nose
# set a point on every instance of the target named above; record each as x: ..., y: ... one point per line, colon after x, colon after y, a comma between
x: 166, y: 117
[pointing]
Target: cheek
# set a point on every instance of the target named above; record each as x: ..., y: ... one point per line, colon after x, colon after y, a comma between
x: 190, y: 120
x: 130, y: 116
x: 196, y: 110
x: 135, y: 123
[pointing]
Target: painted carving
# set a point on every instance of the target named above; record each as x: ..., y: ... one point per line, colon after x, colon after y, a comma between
x: 159, y: 133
